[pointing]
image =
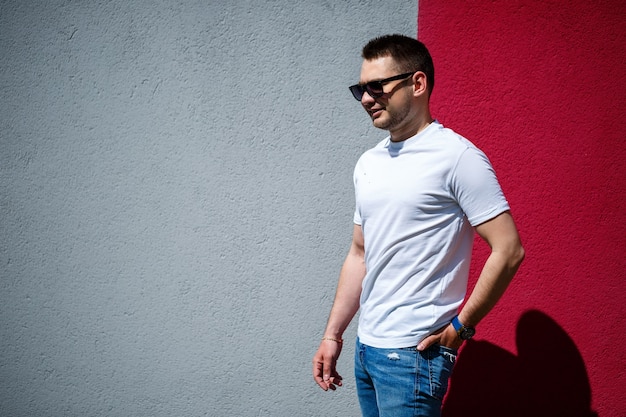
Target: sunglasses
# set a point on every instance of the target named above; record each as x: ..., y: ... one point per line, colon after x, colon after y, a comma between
x: 375, y: 88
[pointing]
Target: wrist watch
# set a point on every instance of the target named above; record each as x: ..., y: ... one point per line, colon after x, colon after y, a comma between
x: 464, y: 332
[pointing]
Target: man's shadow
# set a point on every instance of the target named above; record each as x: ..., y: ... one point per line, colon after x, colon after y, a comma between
x: 547, y: 379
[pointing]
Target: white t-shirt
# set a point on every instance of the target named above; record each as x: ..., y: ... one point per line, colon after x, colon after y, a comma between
x: 417, y: 201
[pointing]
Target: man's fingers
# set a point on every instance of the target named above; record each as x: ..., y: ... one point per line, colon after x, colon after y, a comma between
x: 328, y: 369
x: 324, y: 372
x: 325, y: 376
x: 334, y: 382
x: 424, y: 344
x: 337, y: 380
x: 318, y: 368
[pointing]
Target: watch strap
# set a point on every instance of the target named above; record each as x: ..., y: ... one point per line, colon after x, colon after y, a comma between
x: 457, y: 324
x: 464, y: 332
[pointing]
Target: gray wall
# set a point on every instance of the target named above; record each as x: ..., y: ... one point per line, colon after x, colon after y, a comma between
x: 176, y: 202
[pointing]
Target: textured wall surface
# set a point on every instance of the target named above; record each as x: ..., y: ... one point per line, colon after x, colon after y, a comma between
x: 176, y: 201
x: 541, y: 87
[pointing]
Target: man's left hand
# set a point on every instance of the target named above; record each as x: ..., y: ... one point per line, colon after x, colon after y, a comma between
x: 446, y: 336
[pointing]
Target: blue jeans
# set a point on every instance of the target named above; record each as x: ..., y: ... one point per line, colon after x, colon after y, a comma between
x: 402, y: 382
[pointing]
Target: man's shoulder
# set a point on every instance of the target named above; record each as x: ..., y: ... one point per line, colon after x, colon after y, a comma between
x: 449, y: 135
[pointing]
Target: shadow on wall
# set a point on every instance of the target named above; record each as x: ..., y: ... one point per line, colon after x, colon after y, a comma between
x: 547, y: 379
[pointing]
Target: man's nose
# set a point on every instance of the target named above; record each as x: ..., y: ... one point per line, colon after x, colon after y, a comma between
x: 366, y: 98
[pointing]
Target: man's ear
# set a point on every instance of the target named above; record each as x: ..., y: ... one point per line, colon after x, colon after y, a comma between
x: 420, y: 84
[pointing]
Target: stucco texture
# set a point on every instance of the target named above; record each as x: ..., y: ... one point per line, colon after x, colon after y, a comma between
x: 541, y: 87
x: 176, y: 202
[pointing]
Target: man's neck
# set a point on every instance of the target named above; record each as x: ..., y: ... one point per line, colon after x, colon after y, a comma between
x: 411, y: 130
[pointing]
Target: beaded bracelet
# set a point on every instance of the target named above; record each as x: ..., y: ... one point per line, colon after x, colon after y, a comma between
x: 332, y: 339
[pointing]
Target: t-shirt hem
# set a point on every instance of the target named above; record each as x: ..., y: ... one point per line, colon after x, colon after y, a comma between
x: 496, y: 211
x: 391, y: 343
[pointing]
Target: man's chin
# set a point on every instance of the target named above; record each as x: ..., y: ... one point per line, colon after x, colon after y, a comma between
x: 380, y: 124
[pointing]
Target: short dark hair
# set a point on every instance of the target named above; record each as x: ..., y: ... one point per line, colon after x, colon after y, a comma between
x: 409, y: 54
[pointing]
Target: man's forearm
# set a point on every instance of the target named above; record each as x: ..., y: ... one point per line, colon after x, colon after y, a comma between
x: 506, y: 256
x: 494, y: 279
x: 347, y: 297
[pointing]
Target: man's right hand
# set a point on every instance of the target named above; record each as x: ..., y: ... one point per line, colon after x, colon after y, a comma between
x: 324, y: 361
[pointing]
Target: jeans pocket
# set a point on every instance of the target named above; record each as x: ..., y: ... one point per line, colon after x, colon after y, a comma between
x: 448, y: 352
x: 441, y: 361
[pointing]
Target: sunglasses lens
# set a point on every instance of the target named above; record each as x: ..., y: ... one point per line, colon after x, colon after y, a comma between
x: 374, y: 89
x: 357, y: 91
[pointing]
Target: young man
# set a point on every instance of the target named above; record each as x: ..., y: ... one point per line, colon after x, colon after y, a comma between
x: 421, y: 194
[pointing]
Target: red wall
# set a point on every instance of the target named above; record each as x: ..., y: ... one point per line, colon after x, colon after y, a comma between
x: 541, y: 87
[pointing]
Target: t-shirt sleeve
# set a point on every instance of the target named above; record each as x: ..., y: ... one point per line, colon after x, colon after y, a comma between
x: 474, y: 184
x: 357, y: 214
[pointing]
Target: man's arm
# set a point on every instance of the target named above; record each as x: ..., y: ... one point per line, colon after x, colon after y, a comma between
x: 506, y: 256
x: 344, y: 308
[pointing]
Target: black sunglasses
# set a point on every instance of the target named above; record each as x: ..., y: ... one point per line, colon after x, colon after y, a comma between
x: 375, y: 88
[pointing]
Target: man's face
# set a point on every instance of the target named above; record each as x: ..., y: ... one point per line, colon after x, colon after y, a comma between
x: 391, y: 110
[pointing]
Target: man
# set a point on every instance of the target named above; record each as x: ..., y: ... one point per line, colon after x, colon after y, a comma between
x: 420, y: 195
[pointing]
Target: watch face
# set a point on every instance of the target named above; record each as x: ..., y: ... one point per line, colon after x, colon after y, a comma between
x: 467, y: 333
